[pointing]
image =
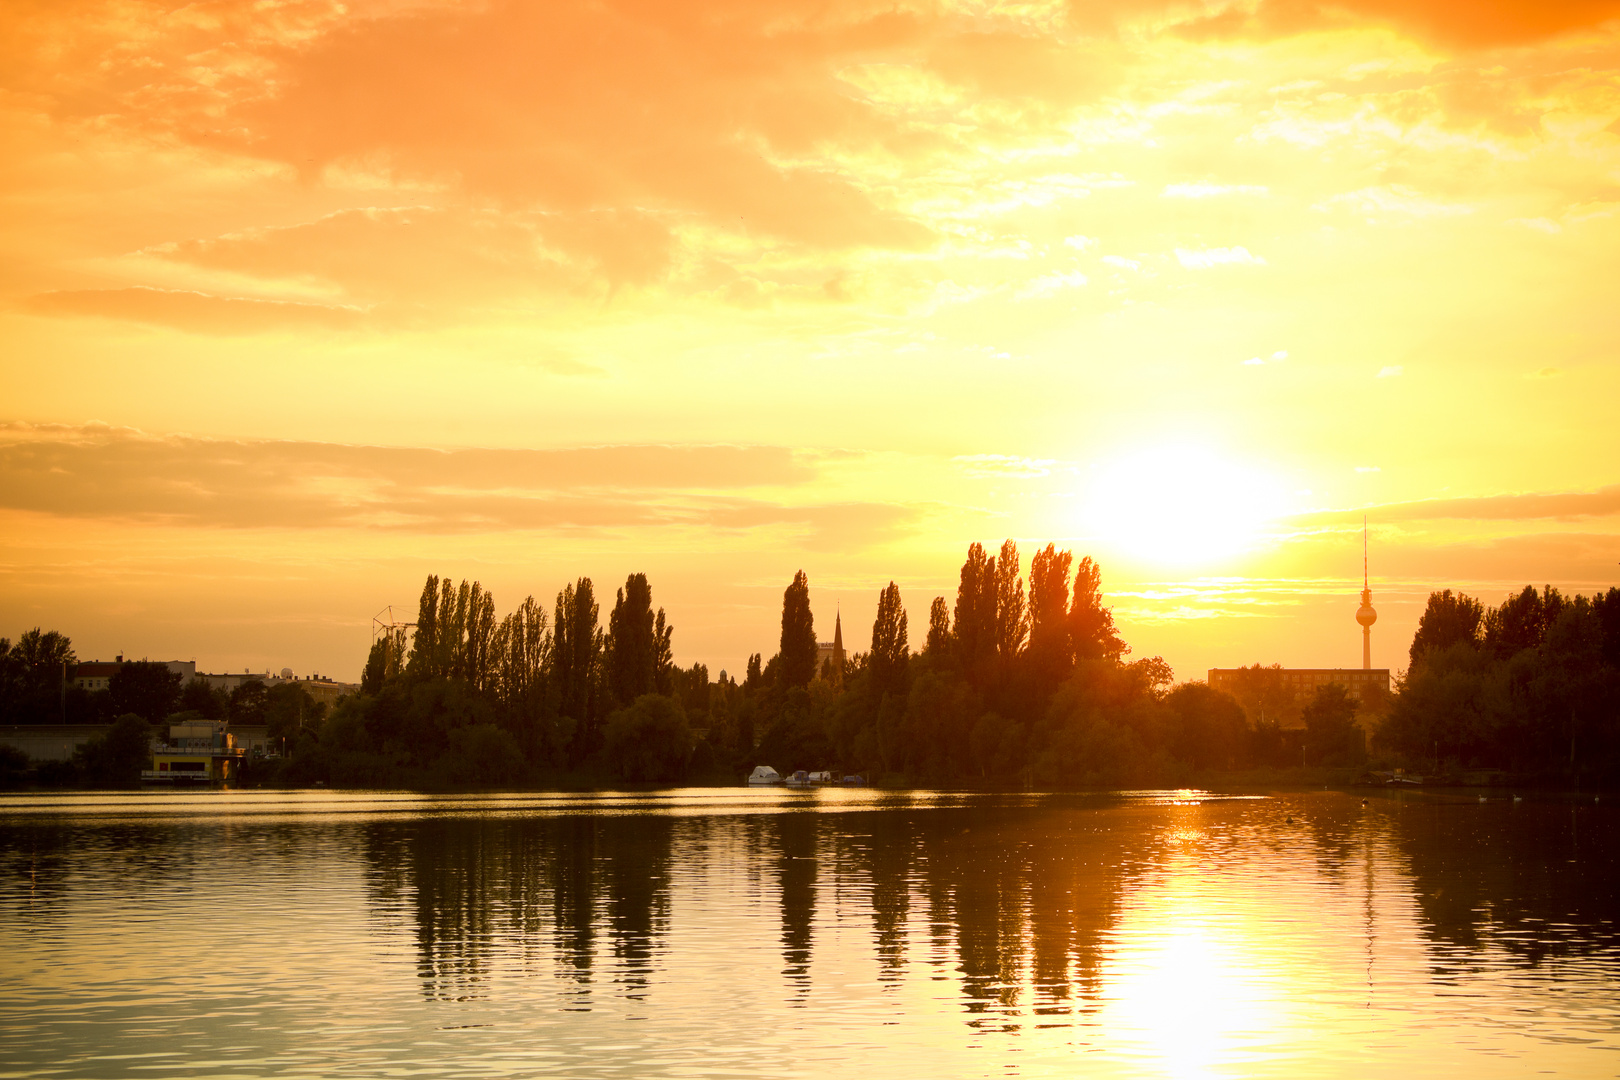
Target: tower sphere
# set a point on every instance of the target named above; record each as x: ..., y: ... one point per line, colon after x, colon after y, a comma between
x: 1365, y: 615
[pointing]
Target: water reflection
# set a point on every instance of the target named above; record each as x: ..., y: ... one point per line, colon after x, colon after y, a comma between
x: 1168, y: 936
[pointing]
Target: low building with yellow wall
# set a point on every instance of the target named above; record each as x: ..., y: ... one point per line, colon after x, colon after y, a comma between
x: 196, y: 752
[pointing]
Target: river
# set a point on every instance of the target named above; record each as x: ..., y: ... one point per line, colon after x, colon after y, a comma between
x: 774, y: 933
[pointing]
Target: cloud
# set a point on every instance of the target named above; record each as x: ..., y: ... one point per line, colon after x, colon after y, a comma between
x: 705, y: 110
x: 1001, y: 466
x: 1564, y: 506
x: 1050, y: 284
x: 1391, y: 371
x: 1462, y: 24
x: 1210, y: 191
x: 1393, y: 200
x: 197, y: 312
x: 438, y: 256
x: 1205, y: 258
x: 97, y: 471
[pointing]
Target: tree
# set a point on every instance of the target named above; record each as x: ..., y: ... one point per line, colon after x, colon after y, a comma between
x: 289, y: 709
x: 890, y: 652
x: 425, y: 644
x: 34, y: 677
x: 1522, y: 621
x: 798, y: 645
x: 247, y: 702
x: 939, y: 644
x: 632, y: 643
x: 576, y: 659
x: 1048, y: 611
x: 975, y: 616
x: 522, y: 649
x: 1209, y: 730
x: 1091, y: 626
x: 663, y: 654
x: 1012, y: 620
x: 1331, y: 734
x: 1446, y: 621
x: 648, y: 741
x: 45, y: 657
x: 1266, y: 698
x: 145, y: 688
x: 198, y: 697
x: 483, y: 756
x: 115, y: 759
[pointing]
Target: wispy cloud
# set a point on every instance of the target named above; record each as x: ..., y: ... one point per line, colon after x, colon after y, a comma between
x: 1211, y: 191
x: 1604, y: 502
x: 1204, y: 258
x: 97, y: 471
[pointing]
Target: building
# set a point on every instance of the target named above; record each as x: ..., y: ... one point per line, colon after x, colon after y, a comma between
x: 50, y: 742
x: 196, y: 752
x: 324, y: 690
x: 1361, y: 683
x: 1364, y: 684
x: 830, y: 655
x: 97, y: 674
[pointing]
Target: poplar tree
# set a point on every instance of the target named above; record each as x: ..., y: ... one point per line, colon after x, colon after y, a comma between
x: 424, y: 645
x: 975, y: 616
x: 576, y: 658
x: 887, y: 660
x: 1012, y: 618
x: 632, y: 642
x: 798, y: 645
x: 664, y: 655
x: 1048, y: 610
x: 938, y: 645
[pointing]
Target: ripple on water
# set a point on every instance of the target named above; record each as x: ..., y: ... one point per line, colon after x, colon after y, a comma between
x: 717, y: 932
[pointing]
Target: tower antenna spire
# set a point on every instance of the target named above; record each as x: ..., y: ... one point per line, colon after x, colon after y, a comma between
x: 1365, y: 615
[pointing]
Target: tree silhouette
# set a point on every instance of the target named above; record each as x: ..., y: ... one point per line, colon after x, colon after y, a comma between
x: 798, y: 645
x: 887, y: 660
x: 632, y: 644
x: 975, y: 616
x: 1091, y: 626
x: 1446, y: 621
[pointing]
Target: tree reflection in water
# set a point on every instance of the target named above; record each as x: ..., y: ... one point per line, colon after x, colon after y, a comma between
x: 1018, y: 901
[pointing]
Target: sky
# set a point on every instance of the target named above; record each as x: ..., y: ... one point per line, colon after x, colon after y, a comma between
x: 303, y: 301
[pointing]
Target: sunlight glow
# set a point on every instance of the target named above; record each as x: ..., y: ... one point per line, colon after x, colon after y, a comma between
x: 1180, y: 505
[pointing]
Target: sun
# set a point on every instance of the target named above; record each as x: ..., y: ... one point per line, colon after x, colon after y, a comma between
x: 1179, y: 505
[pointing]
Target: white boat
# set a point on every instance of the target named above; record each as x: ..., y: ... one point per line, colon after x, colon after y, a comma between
x: 764, y: 776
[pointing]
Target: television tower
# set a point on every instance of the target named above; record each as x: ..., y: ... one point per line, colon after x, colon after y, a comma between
x: 1365, y: 615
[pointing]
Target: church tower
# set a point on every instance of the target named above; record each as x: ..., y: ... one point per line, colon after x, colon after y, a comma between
x: 1365, y: 615
x: 838, y: 649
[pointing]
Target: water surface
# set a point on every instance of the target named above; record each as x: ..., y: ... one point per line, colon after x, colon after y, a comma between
x: 767, y: 933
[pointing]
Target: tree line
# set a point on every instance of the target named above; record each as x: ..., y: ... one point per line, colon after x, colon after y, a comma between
x: 1530, y: 687
x: 1017, y: 680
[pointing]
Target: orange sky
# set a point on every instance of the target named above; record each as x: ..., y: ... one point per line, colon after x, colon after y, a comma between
x: 301, y: 301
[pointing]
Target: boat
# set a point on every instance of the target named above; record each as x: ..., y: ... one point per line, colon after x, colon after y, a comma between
x: 764, y: 776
